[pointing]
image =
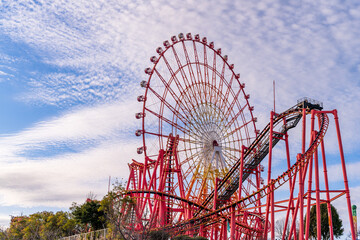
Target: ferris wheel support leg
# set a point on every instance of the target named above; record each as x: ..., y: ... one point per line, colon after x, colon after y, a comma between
x: 344, y: 174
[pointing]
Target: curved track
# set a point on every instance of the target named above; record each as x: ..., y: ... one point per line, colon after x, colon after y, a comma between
x: 253, y: 157
x: 292, y: 114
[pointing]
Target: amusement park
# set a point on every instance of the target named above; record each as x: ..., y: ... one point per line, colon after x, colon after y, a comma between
x: 179, y: 120
x: 207, y: 169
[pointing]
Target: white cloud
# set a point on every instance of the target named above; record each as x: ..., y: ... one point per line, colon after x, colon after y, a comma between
x: 61, y: 180
x: 68, y: 176
x: 102, y: 121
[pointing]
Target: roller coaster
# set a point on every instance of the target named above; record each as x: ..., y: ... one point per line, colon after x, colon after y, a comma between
x: 204, y: 157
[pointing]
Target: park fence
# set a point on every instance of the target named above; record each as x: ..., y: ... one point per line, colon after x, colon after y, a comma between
x: 95, y: 235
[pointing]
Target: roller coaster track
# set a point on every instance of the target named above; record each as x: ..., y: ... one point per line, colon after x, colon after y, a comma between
x: 257, y: 151
x: 253, y: 156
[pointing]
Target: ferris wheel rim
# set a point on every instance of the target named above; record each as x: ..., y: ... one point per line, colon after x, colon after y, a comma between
x: 162, y: 52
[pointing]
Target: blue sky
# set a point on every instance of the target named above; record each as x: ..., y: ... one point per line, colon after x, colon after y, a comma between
x: 70, y: 73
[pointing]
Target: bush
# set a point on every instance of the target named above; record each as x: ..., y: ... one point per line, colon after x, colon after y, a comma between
x: 159, y: 235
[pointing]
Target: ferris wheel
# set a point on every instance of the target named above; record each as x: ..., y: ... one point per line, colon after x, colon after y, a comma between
x: 193, y: 92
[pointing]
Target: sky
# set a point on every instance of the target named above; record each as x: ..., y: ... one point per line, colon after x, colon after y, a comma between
x: 70, y: 74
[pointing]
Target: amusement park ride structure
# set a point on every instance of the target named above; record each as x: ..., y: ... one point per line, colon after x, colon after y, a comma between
x: 204, y: 158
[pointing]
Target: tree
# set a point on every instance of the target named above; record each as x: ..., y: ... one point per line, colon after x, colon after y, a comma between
x: 279, y: 228
x: 89, y: 215
x: 159, y: 235
x: 118, y: 209
x: 4, y: 233
x: 280, y: 225
x: 325, y: 231
x: 17, y: 225
x: 41, y: 225
x: 185, y: 237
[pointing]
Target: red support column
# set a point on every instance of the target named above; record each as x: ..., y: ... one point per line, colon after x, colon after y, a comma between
x: 290, y: 204
x: 317, y: 192
x: 301, y: 202
x: 269, y: 173
x: 301, y: 183
x: 223, y: 235
x: 294, y: 216
x: 328, y: 200
x: 344, y: 174
x: 215, y: 194
x: 272, y: 213
x: 327, y: 191
x: 232, y: 223
x: 309, y: 199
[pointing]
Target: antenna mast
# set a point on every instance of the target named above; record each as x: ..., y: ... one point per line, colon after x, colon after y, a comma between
x: 274, y: 93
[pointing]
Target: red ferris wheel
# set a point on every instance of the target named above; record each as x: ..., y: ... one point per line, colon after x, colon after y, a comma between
x: 203, y: 156
x: 193, y: 93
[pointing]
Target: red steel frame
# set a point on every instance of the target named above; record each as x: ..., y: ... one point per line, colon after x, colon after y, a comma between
x: 157, y: 186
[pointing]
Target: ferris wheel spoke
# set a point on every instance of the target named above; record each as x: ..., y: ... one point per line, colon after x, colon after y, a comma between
x: 184, y: 108
x: 199, y: 120
x: 183, y: 119
x: 235, y: 141
x: 230, y: 156
x: 228, y: 91
x: 221, y: 81
x: 177, y: 126
x: 236, y: 130
x: 188, y: 85
x: 197, y: 64
x: 234, y: 117
x: 204, y: 179
x: 206, y: 75
x: 157, y: 134
x: 231, y: 106
x: 176, y: 80
x: 188, y: 140
x: 213, y: 77
x: 192, y: 157
x: 192, y: 75
x: 194, y: 179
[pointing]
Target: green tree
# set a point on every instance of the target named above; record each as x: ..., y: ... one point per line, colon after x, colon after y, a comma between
x: 17, y: 225
x: 34, y: 226
x: 41, y: 225
x: 89, y: 215
x: 4, y: 233
x: 57, y: 225
x: 185, y: 237
x: 325, y: 231
x: 159, y: 235
x: 118, y: 209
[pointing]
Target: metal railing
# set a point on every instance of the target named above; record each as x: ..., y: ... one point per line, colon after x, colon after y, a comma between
x: 95, y: 235
x: 310, y: 100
